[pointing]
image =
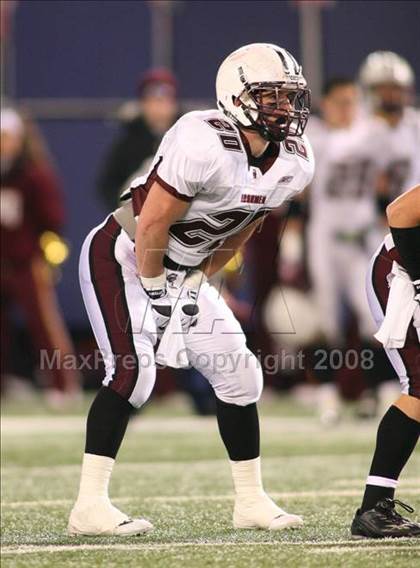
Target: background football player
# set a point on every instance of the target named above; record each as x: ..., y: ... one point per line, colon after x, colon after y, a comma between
x: 344, y: 227
x: 393, y: 289
x: 388, y: 80
x: 144, y: 271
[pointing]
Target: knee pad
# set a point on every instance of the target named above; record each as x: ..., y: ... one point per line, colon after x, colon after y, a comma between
x: 238, y: 379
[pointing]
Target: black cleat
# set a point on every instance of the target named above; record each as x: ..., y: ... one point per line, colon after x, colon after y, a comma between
x: 383, y: 521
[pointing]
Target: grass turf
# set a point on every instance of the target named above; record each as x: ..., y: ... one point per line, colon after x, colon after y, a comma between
x: 173, y: 470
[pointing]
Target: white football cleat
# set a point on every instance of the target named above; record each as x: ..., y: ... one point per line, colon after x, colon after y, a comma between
x: 260, y: 512
x: 101, y: 518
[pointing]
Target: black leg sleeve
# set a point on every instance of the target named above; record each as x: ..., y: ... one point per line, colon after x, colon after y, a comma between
x: 240, y: 430
x: 395, y: 442
x: 106, y: 423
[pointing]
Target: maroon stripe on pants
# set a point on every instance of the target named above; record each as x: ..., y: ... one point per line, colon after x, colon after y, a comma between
x: 108, y: 283
x: 410, y: 353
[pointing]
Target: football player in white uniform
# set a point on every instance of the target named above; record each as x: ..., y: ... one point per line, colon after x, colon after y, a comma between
x: 144, y: 271
x: 344, y: 226
x: 393, y: 290
x: 388, y: 80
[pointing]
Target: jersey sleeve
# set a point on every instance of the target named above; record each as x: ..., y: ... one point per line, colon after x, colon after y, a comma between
x: 186, y: 159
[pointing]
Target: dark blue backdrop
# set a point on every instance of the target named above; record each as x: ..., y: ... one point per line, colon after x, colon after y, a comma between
x: 98, y: 49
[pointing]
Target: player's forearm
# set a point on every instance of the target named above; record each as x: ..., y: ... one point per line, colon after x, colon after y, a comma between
x: 158, y: 214
x: 151, y: 246
x: 404, y: 221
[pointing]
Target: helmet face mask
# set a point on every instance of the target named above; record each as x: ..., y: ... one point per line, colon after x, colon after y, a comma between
x: 390, y: 98
x: 274, y: 110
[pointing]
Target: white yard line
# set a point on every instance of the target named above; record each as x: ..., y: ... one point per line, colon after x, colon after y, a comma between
x: 48, y: 470
x: 42, y: 503
x: 319, y: 547
x: 70, y: 469
x: 276, y: 495
x: 189, y: 498
x: 199, y: 464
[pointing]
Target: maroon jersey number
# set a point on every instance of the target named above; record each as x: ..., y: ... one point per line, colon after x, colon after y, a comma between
x: 229, y: 141
x: 296, y: 146
x: 210, y: 231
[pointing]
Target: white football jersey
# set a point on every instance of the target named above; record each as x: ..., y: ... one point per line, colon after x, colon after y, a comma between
x: 205, y: 160
x: 349, y: 161
x: 403, y: 140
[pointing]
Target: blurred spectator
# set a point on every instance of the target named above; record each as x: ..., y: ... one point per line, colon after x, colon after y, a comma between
x: 135, y: 147
x: 32, y: 214
x: 389, y: 83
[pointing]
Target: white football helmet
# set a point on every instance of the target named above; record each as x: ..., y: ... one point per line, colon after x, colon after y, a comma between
x: 381, y: 67
x: 257, y: 69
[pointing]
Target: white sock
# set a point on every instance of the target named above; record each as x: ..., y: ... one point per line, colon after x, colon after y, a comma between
x: 94, y: 479
x: 247, y: 477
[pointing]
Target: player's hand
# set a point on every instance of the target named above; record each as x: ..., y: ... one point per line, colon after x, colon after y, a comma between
x: 189, y: 311
x: 189, y: 298
x: 160, y: 300
x: 162, y: 311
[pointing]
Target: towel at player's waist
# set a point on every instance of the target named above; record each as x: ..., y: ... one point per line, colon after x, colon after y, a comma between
x: 400, y: 309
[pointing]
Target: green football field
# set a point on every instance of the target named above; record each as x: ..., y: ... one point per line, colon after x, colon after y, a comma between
x: 172, y: 470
